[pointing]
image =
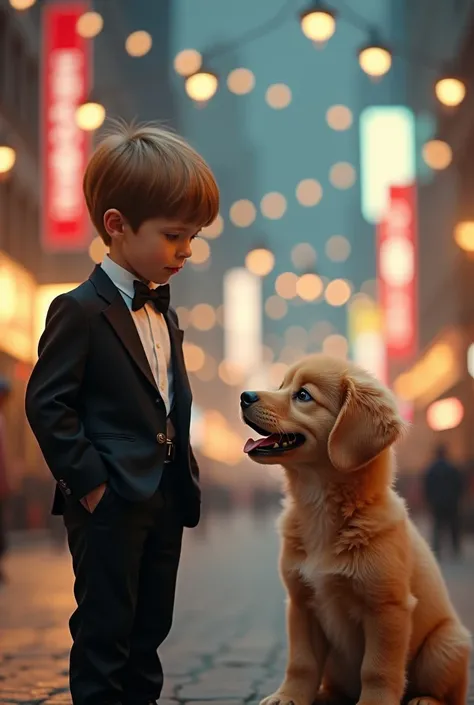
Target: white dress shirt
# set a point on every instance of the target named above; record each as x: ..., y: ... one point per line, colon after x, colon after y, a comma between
x: 152, y: 329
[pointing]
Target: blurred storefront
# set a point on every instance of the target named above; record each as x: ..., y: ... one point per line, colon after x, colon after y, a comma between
x: 437, y: 382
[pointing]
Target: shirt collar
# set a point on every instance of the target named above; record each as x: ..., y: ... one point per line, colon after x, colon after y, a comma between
x: 122, y: 278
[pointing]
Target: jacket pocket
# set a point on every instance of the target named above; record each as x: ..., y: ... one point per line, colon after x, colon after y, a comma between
x: 114, y: 436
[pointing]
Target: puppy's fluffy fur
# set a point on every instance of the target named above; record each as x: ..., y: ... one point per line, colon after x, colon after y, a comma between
x: 369, y: 617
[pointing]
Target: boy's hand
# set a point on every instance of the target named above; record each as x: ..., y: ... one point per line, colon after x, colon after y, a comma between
x: 91, y: 500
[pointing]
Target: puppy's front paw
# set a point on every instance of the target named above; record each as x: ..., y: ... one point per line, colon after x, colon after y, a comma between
x: 282, y: 699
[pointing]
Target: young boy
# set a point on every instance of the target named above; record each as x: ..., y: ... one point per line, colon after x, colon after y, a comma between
x: 109, y: 402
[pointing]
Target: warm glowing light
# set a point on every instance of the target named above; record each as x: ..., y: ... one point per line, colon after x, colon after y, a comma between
x: 201, y: 251
x: 187, y: 61
x: 90, y: 116
x: 309, y: 287
x: 445, y: 414
x: 437, y: 154
x: 339, y: 117
x: 22, y: 4
x: 376, y: 61
x: 194, y: 356
x: 240, y: 81
x: 97, y: 250
x: 242, y: 213
x: 285, y: 285
x: 276, y: 307
x: 278, y: 96
x: 273, y: 205
x: 436, y: 371
x: 338, y: 248
x: 342, y: 175
x: 260, y: 261
x: 337, y: 292
x: 230, y: 373
x: 450, y: 91
x: 7, y: 159
x: 89, y: 25
x: 203, y: 317
x: 183, y: 316
x: 318, y: 25
x: 138, y: 43
x: 303, y: 255
x: 336, y: 345
x: 214, y: 229
x: 464, y: 235
x: 309, y: 192
x: 201, y: 86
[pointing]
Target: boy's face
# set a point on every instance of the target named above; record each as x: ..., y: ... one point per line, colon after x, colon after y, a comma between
x: 156, y: 251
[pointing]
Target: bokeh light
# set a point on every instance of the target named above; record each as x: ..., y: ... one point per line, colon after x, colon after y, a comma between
x: 194, y: 356
x: 138, y: 43
x: 464, y: 235
x: 285, y: 285
x: 201, y: 251
x: 450, y: 91
x: 260, y: 261
x: 339, y: 117
x: 89, y: 24
x: 273, y: 205
x: 309, y: 192
x: 187, y: 62
x: 338, y: 292
x: 437, y: 154
x: 276, y: 307
x: 240, y: 81
x: 338, y: 248
x: 242, y: 213
x: 210, y: 232
x: 201, y: 86
x: 318, y: 25
x: 278, y: 96
x: 303, y: 255
x: 309, y: 287
x: 203, y: 317
x: 342, y: 175
x: 336, y: 345
x: 376, y: 61
x: 97, y: 250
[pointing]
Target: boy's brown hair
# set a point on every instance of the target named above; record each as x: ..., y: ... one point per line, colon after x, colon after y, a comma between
x: 146, y: 171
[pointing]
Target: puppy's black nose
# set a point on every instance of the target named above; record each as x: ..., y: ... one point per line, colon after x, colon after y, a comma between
x: 247, y: 399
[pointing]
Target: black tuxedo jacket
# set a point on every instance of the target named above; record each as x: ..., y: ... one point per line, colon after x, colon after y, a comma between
x: 94, y: 407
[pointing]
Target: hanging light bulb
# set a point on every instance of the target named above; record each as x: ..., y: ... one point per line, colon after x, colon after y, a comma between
x: 318, y: 23
x: 7, y: 159
x: 202, y: 85
x: 90, y: 115
x: 374, y: 58
x: 22, y: 4
x: 260, y: 261
x: 450, y: 91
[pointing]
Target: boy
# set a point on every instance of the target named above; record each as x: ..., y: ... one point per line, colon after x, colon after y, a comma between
x: 109, y: 402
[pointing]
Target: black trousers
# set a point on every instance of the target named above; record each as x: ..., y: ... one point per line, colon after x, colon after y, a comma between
x: 447, y: 522
x: 125, y: 559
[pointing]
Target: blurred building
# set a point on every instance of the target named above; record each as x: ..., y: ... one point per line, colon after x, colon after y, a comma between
x: 438, y: 382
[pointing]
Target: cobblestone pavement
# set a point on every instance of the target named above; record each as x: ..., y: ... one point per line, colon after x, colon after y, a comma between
x: 227, y: 644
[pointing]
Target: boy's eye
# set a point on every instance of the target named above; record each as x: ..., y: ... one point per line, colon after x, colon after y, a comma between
x: 171, y: 236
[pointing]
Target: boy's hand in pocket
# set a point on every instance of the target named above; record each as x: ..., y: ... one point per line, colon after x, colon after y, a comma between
x: 91, y: 500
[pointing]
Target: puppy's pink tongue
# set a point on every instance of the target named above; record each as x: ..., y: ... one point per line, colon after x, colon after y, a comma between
x: 260, y: 443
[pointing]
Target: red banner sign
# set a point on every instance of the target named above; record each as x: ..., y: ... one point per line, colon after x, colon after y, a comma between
x: 65, y: 147
x: 397, y: 272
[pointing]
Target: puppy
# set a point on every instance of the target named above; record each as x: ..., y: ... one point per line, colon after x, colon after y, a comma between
x: 369, y: 618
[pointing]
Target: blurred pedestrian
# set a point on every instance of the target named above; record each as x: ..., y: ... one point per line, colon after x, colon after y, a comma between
x: 443, y: 486
x: 5, y: 391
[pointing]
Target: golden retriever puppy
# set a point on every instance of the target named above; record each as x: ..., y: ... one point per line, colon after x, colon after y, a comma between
x: 369, y: 618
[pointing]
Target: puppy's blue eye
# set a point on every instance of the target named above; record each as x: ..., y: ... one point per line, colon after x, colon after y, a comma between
x: 303, y: 395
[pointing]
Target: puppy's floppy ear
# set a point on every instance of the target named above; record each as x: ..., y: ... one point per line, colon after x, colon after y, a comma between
x: 368, y: 422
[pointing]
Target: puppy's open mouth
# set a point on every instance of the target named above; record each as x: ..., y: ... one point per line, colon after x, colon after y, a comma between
x: 273, y: 443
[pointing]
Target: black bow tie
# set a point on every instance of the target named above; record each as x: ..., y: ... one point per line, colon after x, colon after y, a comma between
x: 159, y: 297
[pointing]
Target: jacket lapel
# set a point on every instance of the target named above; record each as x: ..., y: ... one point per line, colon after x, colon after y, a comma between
x: 119, y: 317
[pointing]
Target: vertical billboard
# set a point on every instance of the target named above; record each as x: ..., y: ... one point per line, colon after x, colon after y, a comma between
x: 65, y: 83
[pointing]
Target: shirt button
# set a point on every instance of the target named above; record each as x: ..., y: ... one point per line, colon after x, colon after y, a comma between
x: 161, y: 438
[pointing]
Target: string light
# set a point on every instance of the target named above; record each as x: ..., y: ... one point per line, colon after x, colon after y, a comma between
x: 22, y: 4
x: 201, y: 86
x: 89, y: 25
x: 318, y: 23
x: 450, y: 91
x: 375, y: 59
x: 90, y: 115
x: 7, y: 159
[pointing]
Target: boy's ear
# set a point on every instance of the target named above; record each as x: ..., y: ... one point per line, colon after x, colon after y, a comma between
x: 114, y: 222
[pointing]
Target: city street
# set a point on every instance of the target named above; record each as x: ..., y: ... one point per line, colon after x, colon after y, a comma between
x: 227, y: 644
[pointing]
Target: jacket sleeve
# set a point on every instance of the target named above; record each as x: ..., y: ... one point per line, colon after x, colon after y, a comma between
x: 52, y: 400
